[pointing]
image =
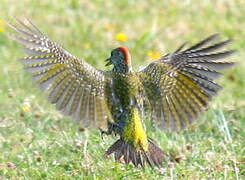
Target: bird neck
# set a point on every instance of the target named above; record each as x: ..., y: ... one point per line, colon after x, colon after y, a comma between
x: 122, y: 68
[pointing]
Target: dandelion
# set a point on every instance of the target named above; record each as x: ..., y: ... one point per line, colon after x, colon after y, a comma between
x: 154, y: 55
x: 121, y: 37
x: 108, y: 27
x: 1, y: 26
x: 87, y: 45
x: 26, y: 107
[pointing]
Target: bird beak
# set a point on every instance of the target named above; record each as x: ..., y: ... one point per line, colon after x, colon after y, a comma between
x: 108, y: 62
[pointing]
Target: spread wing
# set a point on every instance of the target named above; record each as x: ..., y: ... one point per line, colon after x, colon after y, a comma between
x: 74, y: 86
x: 179, y: 85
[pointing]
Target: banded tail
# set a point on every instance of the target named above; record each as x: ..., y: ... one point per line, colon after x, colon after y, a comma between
x: 138, y: 157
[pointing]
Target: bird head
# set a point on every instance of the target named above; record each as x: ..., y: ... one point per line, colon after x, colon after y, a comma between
x: 120, y: 59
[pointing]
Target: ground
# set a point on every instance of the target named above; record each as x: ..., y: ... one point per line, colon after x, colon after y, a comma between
x: 36, y: 142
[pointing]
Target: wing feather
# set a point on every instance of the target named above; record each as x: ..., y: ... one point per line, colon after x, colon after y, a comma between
x: 74, y: 86
x: 179, y: 86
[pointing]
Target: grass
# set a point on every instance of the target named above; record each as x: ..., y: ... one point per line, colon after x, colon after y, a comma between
x: 36, y: 142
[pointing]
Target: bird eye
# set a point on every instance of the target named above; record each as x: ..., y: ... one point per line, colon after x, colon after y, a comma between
x: 118, y: 53
x: 115, y: 53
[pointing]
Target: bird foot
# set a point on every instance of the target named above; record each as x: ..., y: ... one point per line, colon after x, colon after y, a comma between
x: 112, y: 129
x: 103, y: 132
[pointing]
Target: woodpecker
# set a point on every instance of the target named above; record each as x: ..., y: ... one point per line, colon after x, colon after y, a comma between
x: 172, y: 92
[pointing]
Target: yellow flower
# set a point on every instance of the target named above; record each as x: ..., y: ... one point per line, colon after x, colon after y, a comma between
x: 121, y: 37
x: 1, y: 26
x: 87, y: 45
x: 108, y: 27
x: 26, y: 107
x: 154, y: 55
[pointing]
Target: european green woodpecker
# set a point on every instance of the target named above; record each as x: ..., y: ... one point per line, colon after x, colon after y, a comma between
x: 174, y: 90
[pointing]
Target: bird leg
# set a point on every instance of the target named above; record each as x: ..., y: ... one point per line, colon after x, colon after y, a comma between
x: 112, y: 129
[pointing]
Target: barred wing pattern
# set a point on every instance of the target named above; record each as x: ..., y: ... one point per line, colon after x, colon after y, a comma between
x: 74, y: 86
x: 179, y: 85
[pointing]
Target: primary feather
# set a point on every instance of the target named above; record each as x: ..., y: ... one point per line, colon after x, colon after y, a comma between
x: 75, y: 87
x: 180, y: 85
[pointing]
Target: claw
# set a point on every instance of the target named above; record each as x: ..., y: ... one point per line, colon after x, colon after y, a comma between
x: 102, y: 132
x: 111, y: 130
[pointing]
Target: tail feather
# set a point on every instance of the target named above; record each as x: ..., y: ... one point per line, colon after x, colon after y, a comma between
x: 128, y: 154
x: 156, y: 154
